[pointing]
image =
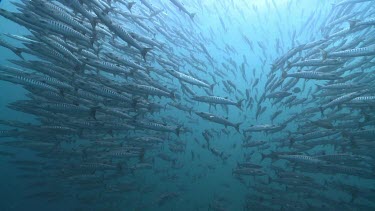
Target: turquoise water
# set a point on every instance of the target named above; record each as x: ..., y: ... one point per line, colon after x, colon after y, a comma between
x: 243, y: 42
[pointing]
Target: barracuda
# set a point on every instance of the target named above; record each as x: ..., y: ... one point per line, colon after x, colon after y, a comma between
x: 149, y: 90
x: 189, y: 79
x: 218, y: 100
x: 61, y: 15
x: 122, y: 33
x: 311, y: 75
x: 219, y: 120
x: 366, y: 51
x: 159, y: 127
x: 343, y: 99
x: 316, y: 62
x: 17, y: 51
x: 18, y: 79
x: 61, y: 28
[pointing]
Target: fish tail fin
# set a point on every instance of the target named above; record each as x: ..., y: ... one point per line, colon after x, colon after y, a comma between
x: 288, y: 64
x: 61, y: 92
x: 347, y: 135
x: 93, y: 37
x: 18, y: 52
x: 321, y: 110
x: 354, y: 195
x: 367, y: 118
x: 344, y: 134
x: 292, y: 141
x: 79, y: 50
x: 80, y: 133
x: 132, y: 72
x: 110, y: 132
x: 269, y: 180
x: 212, y: 87
x: 144, y: 51
x: 244, y: 133
x: 79, y: 67
x: 173, y: 95
x: 284, y: 74
x: 94, y: 22
x: 262, y: 156
x: 289, y: 133
x: 192, y: 15
x: 132, y: 171
x: 162, y: 46
x: 119, y: 167
x: 93, y: 111
x: 237, y: 126
x: 98, y: 50
x: 135, y: 101
x: 239, y: 104
x: 324, y: 54
x: 352, y: 24
x: 178, y: 130
x: 130, y: 5
x: 142, y: 155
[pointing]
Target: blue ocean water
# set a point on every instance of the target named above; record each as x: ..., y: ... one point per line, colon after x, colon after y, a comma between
x: 307, y: 154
